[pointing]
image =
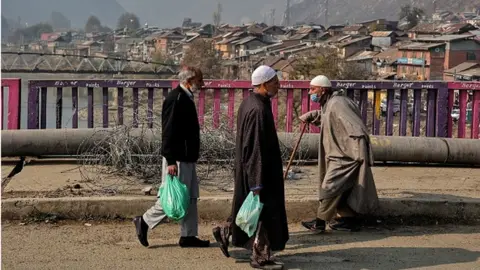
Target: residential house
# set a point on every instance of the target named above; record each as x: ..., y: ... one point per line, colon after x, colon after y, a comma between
x: 376, y: 25
x: 307, y: 33
x: 383, y: 38
x: 71, y: 51
x: 56, y: 42
x: 92, y: 47
x: 459, y: 48
x: 350, y: 47
x: 225, y: 46
x: 384, y: 64
x: 440, y: 29
x: 274, y: 31
x: 125, y: 45
x: 466, y: 71
x: 242, y: 46
x: 421, y: 61
x: 335, y: 30
x: 363, y: 60
x: 474, y: 21
x: 355, y: 29
x: 168, y: 40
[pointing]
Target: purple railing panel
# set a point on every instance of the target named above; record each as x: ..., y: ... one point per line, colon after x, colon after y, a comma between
x: 33, y: 106
x: 389, y: 125
x: 431, y: 100
x: 105, y: 106
x: 403, y: 112
x: 417, y: 103
x: 43, y: 108
x: 90, y: 111
x: 135, y: 107
x: 58, y: 108
x: 75, y: 107
x: 120, y: 105
x: 150, y: 107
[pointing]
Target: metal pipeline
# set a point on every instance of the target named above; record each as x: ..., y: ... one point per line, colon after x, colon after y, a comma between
x: 385, y: 148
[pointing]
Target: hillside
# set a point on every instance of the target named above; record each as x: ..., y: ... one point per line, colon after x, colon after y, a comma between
x: 35, y: 11
x: 342, y: 11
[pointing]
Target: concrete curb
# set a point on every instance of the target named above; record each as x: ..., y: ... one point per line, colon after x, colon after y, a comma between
x: 218, y: 208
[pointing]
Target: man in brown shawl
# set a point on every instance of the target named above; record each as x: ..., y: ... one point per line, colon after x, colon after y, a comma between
x: 347, y: 188
x: 258, y: 168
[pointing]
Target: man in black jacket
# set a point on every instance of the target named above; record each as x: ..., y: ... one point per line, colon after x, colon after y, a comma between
x: 180, y: 151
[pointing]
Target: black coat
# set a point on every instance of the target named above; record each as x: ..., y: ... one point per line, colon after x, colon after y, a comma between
x: 180, y: 128
x: 258, y: 162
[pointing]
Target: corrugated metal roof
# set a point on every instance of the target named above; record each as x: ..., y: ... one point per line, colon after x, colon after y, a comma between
x: 462, y: 67
x: 389, y: 55
x: 442, y: 28
x: 353, y: 27
x: 420, y: 46
x: 381, y: 33
x: 444, y: 38
x: 365, y: 55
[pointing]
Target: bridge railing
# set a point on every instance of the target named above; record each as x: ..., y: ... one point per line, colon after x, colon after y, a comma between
x: 389, y: 108
x: 11, y: 99
x: 468, y: 112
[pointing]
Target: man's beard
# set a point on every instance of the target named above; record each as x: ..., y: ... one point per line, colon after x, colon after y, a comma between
x: 194, y: 87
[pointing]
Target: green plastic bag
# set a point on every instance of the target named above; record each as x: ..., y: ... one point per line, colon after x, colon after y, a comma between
x: 249, y: 213
x: 174, y: 197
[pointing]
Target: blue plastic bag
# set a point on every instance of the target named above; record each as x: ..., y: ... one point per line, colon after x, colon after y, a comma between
x: 249, y: 213
x: 174, y: 197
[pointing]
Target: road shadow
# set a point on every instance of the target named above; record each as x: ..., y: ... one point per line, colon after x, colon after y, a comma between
x: 307, y: 239
x: 378, y: 258
x: 436, y: 196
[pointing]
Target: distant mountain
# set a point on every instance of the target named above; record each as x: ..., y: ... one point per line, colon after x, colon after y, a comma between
x: 167, y: 13
x: 343, y: 11
x: 78, y: 11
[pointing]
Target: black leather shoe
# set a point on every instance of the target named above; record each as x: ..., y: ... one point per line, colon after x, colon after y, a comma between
x: 222, y: 240
x: 192, y: 241
x: 316, y: 225
x: 142, y: 230
x: 345, y: 224
x: 267, y: 265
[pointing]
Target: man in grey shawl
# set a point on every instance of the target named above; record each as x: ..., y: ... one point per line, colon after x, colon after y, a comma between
x: 347, y: 188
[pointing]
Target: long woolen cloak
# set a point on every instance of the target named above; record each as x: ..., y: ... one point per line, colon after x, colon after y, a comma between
x: 258, y: 162
x: 345, y: 156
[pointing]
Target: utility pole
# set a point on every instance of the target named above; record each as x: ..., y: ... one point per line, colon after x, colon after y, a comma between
x: 326, y: 14
x: 286, y: 21
x: 272, y: 16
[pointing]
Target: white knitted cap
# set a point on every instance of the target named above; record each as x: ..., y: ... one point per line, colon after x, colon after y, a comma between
x: 263, y: 74
x: 321, y: 81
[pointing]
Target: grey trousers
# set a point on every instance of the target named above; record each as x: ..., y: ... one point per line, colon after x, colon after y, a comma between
x: 189, y: 224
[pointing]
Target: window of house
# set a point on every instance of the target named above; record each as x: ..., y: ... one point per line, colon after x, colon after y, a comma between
x: 471, y: 56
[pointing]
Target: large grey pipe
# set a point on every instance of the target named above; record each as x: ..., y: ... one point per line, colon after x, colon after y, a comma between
x: 385, y: 148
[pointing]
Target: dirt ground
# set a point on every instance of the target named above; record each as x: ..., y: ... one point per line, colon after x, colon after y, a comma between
x: 59, y: 180
x: 114, y: 246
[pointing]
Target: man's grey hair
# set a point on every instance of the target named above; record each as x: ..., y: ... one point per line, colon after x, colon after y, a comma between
x: 185, y: 75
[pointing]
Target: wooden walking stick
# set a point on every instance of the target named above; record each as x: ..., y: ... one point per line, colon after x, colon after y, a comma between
x: 304, y: 126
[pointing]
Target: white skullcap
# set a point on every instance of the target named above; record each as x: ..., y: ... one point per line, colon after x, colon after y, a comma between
x: 321, y: 81
x: 263, y: 74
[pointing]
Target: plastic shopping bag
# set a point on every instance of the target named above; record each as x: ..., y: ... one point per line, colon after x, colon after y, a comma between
x: 249, y: 213
x: 174, y: 197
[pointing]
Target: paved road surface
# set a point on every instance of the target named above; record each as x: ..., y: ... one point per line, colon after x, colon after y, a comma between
x: 114, y: 246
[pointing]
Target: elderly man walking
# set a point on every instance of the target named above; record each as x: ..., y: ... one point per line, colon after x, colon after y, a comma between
x: 180, y: 151
x: 258, y: 168
x: 347, y: 188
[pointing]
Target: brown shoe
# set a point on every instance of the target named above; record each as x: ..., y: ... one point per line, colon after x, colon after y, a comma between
x: 222, y: 239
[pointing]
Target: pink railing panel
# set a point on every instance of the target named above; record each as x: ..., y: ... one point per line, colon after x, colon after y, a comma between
x: 14, y: 102
x: 464, y: 103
